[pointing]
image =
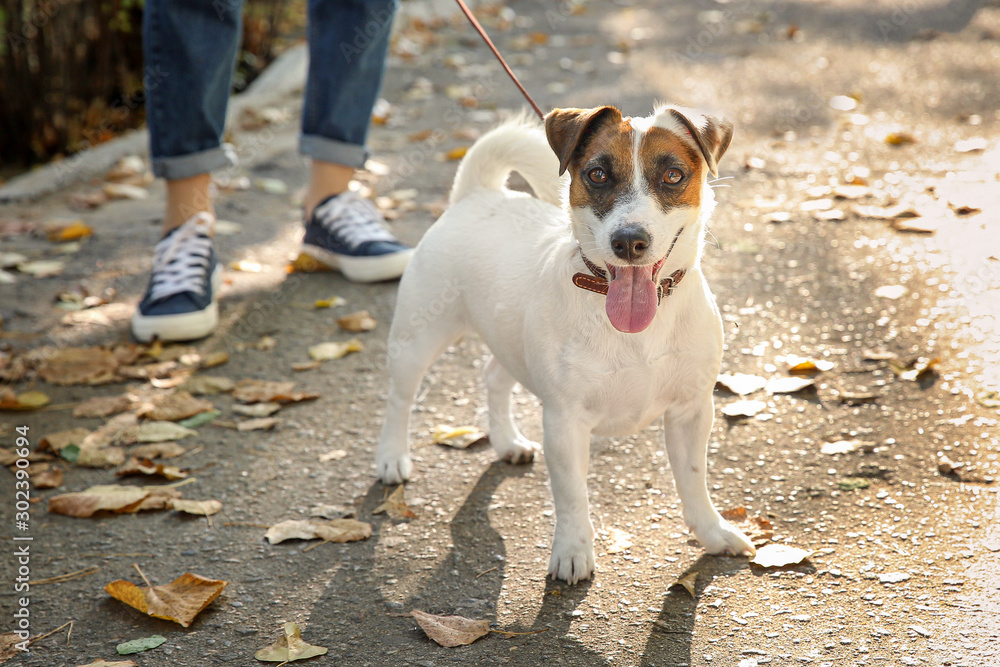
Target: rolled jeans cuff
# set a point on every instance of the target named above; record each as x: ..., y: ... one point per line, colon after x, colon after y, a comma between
x: 193, y: 164
x: 331, y: 150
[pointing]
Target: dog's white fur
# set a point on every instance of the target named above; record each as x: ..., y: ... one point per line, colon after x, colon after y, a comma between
x: 501, y: 263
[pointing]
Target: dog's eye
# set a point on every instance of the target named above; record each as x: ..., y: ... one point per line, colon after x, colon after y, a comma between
x: 597, y: 175
x: 673, y: 176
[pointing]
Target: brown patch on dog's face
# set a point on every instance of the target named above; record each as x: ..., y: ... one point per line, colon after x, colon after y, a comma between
x: 662, y: 157
x: 602, y: 172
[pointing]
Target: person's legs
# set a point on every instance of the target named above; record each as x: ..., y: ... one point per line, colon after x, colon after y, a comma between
x: 348, y: 42
x: 191, y: 46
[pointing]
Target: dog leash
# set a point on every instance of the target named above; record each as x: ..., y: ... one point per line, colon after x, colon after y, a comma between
x: 486, y: 38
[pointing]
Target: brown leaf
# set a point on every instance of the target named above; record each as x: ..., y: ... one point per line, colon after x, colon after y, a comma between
x: 80, y: 365
x: 688, y: 582
x: 103, y: 406
x: 137, y: 466
x: 395, y: 506
x: 264, y: 391
x: 175, y: 407
x: 757, y: 528
x: 357, y: 322
x: 198, y: 507
x: 289, y: 647
x: 117, y: 430
x: 100, y: 457
x: 336, y: 530
x: 49, y: 479
x: 213, y: 359
x: 103, y: 663
x: 56, y: 441
x: 162, y: 431
x: 159, y: 498
x: 450, y: 631
x: 261, y: 424
x: 97, y: 498
x: 208, y: 384
x: 257, y: 409
x: 157, y: 450
x: 804, y: 366
x: 8, y: 641
x: 179, y: 601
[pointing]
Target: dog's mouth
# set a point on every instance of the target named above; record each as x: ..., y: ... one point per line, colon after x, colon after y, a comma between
x: 632, y: 296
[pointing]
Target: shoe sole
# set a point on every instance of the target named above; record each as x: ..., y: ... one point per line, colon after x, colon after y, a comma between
x: 181, y: 327
x: 362, y: 269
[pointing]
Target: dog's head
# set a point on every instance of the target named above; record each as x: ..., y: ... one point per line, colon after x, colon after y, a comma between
x: 638, y: 195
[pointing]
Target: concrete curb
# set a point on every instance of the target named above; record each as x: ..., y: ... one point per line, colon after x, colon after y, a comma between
x: 284, y: 77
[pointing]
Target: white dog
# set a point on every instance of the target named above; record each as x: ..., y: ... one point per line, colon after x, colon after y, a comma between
x: 530, y: 275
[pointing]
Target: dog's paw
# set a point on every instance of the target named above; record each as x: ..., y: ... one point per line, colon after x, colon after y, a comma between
x: 572, y: 559
x: 393, y: 469
x: 723, y: 537
x: 518, y: 450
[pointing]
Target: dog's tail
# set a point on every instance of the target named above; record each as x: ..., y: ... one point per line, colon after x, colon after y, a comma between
x: 517, y: 145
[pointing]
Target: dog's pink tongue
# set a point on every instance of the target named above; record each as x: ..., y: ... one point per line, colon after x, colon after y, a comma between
x: 631, y: 303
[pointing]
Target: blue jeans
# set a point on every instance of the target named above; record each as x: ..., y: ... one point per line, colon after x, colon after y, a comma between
x: 190, y: 48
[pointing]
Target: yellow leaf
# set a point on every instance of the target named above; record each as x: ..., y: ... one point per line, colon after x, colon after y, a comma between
x: 74, y: 231
x: 335, y: 350
x: 332, y: 302
x: 289, y: 647
x: 306, y: 264
x: 456, y: 153
x: 688, y: 582
x: 179, y: 601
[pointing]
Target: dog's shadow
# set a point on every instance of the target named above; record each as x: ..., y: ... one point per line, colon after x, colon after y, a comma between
x: 353, y: 618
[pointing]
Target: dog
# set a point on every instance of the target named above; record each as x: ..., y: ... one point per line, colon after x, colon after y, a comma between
x: 597, y: 305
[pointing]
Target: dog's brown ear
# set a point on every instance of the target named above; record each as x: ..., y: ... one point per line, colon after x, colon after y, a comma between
x: 710, y: 133
x: 569, y: 129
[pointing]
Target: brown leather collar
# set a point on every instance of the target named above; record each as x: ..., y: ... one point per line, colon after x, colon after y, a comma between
x: 598, y: 282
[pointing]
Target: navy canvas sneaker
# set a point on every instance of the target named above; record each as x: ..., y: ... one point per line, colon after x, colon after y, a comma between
x: 346, y: 232
x: 180, y: 303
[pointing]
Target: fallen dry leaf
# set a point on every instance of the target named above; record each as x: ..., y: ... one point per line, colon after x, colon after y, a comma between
x: 29, y: 400
x: 49, y: 479
x: 789, y: 385
x: 175, y: 407
x: 257, y: 409
x: 688, y: 582
x: 104, y: 663
x: 899, y: 138
x: 618, y: 541
x: 289, y: 647
x: 120, y: 429
x: 306, y: 365
x: 102, y: 457
x: 265, y: 391
x: 79, y: 365
x: 137, y: 466
x: 207, y: 384
x: 198, y: 507
x: 395, y: 506
x: 103, y: 406
x: 779, y: 555
x: 457, y: 437
x: 158, y: 450
x: 335, y: 350
x: 161, y: 431
x: 335, y: 530
x: 42, y: 268
x: 213, y: 359
x: 744, y: 408
x: 804, y: 366
x: 757, y: 528
x: 332, y: 302
x: 450, y: 631
x: 63, y: 231
x: 915, y: 369
x: 742, y: 383
x: 55, y: 442
x: 357, y: 322
x: 179, y: 601
x: 97, y: 498
x: 886, y: 212
x: 260, y: 424
x: 306, y: 264
x: 917, y: 225
x: 140, y: 645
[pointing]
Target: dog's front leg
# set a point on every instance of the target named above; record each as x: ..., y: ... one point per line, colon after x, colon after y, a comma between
x: 566, y: 444
x: 687, y: 429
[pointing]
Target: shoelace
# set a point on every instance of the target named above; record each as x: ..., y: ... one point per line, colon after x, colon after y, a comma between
x: 181, y: 260
x: 352, y: 219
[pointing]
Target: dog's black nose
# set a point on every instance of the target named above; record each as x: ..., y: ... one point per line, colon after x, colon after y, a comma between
x: 630, y: 243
